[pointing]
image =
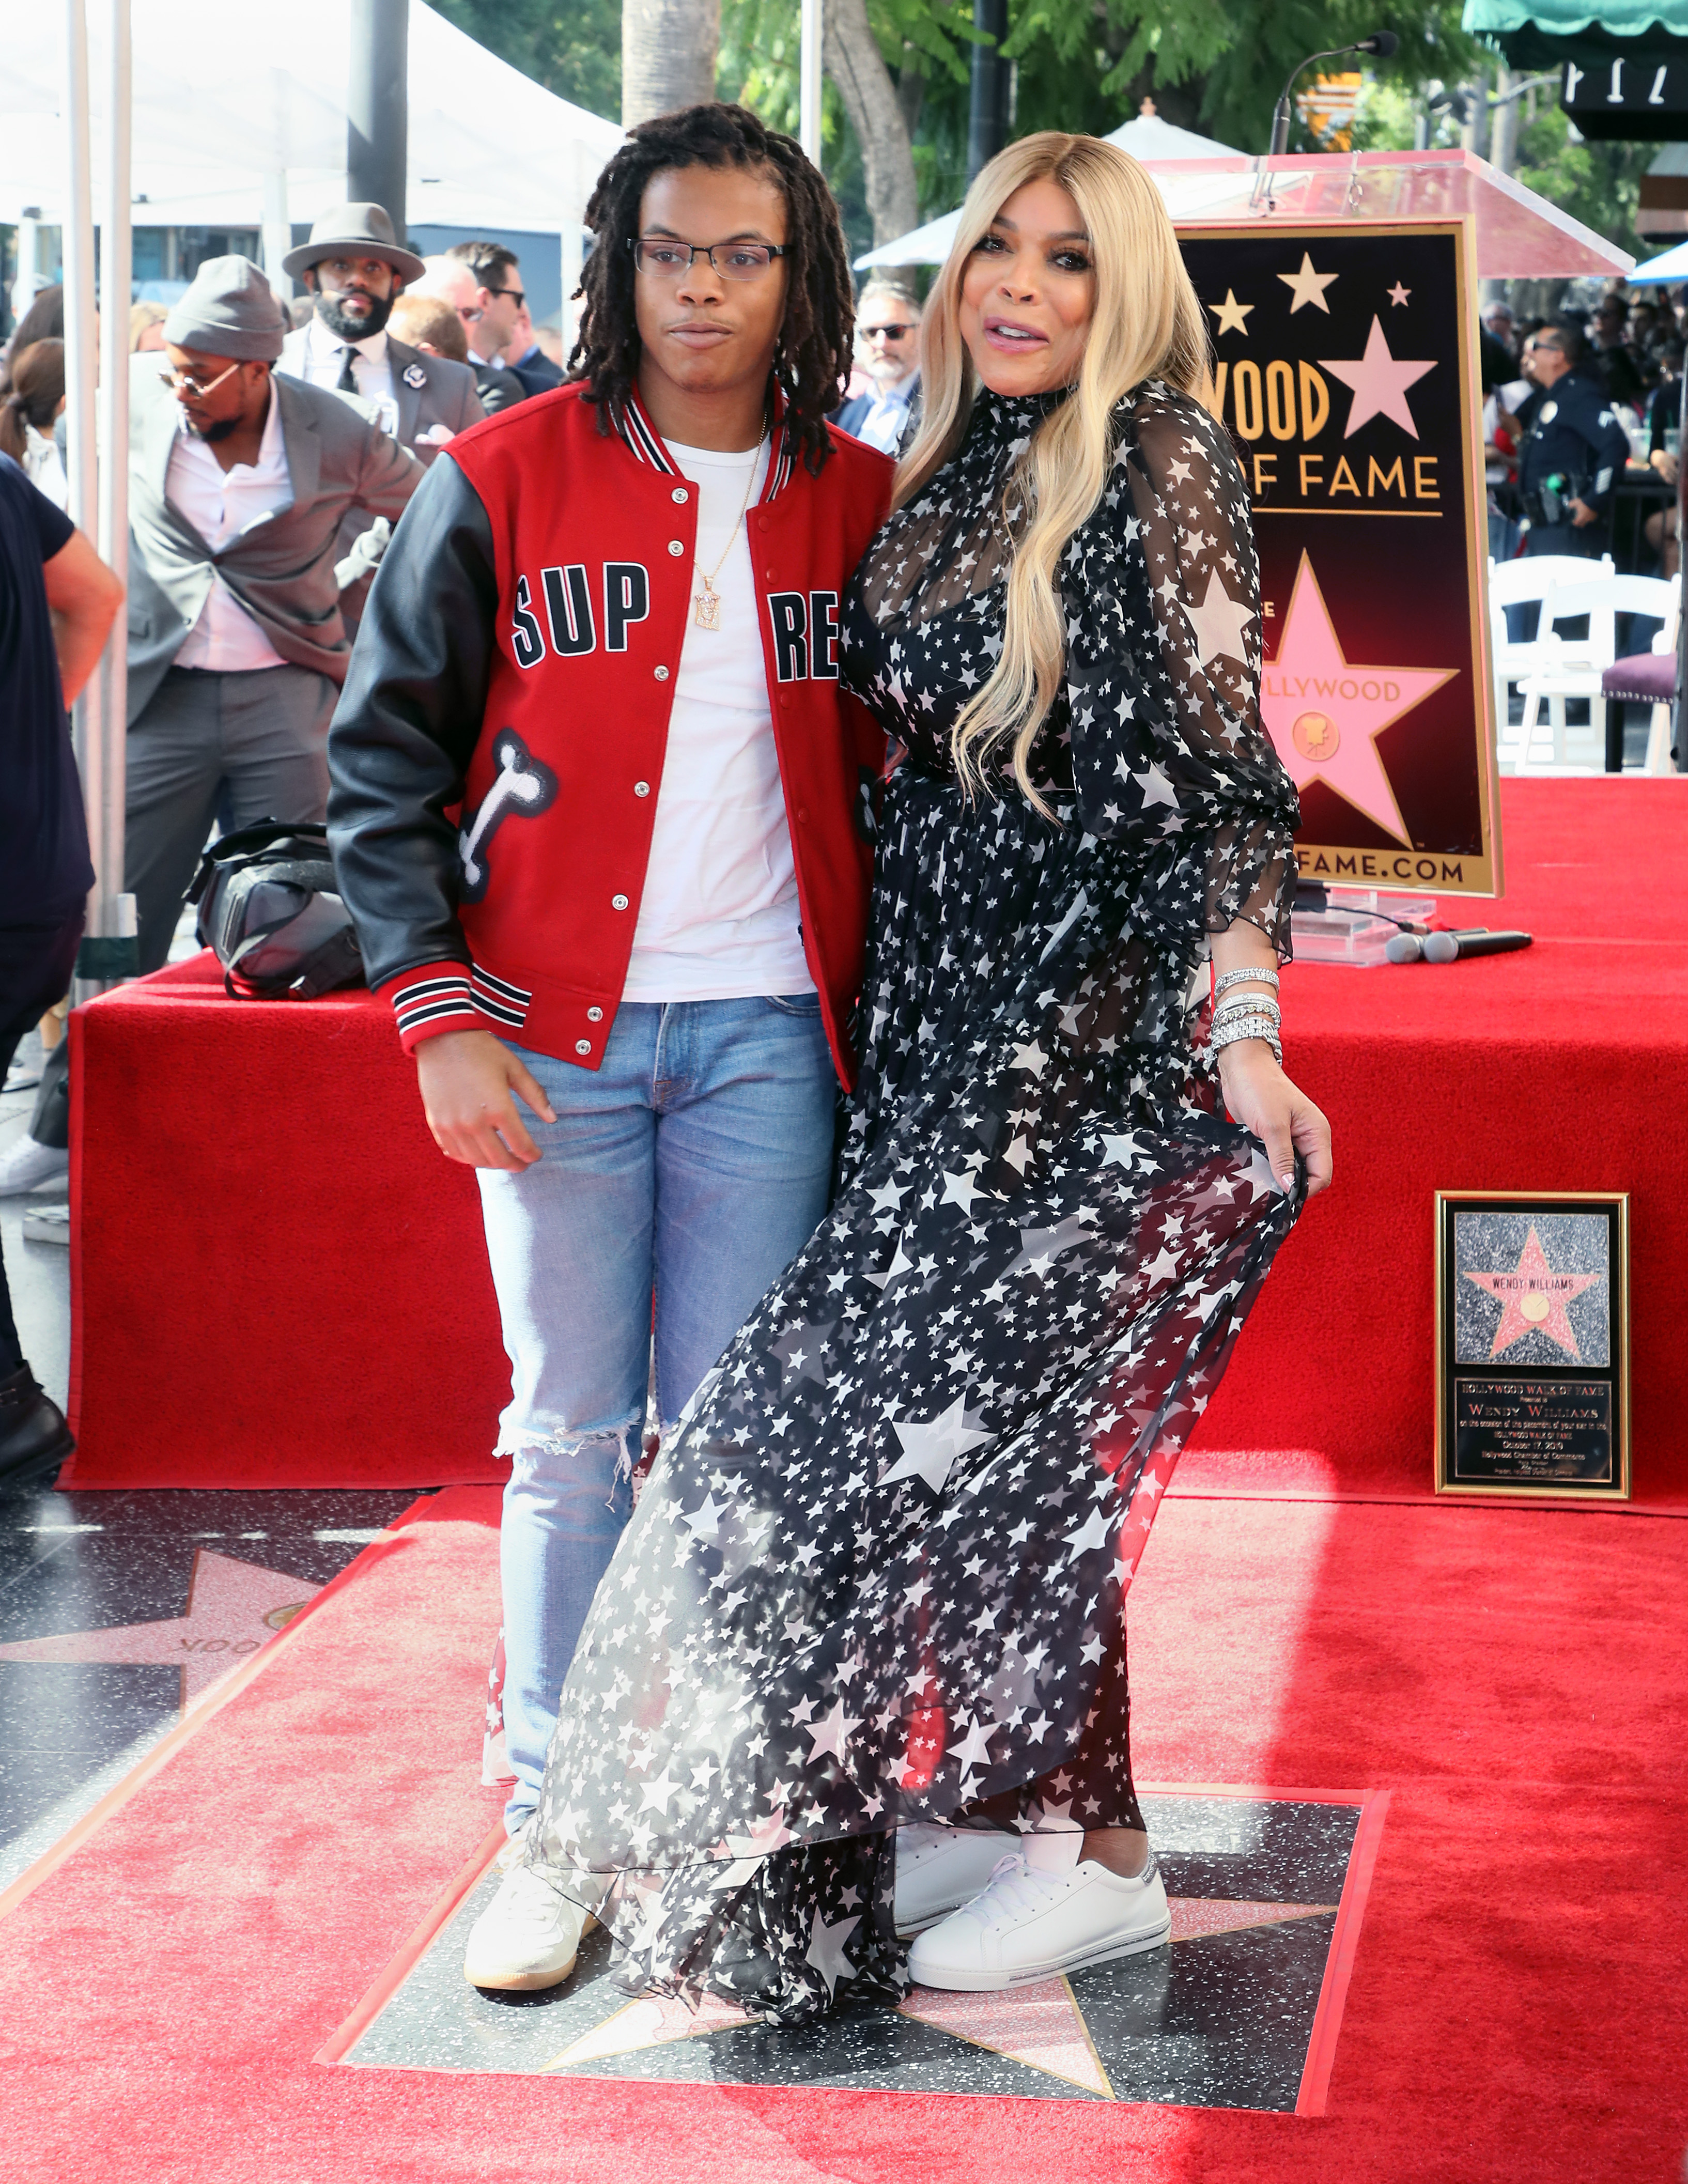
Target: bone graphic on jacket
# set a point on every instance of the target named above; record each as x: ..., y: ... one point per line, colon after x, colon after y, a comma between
x: 522, y: 787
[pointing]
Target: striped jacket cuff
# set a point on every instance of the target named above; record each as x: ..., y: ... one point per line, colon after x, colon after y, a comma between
x: 434, y: 999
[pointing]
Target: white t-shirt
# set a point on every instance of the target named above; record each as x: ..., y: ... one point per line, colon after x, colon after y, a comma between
x: 718, y: 918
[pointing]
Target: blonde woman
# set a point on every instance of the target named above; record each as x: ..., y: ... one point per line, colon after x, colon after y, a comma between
x: 858, y: 1670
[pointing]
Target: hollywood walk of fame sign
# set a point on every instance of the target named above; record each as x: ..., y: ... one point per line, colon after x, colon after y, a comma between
x: 1345, y: 370
x: 1532, y: 1345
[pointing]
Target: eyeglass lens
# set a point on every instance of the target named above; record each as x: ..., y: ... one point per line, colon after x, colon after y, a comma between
x: 733, y: 261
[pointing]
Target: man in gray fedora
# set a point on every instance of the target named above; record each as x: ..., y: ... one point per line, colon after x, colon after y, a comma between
x: 239, y: 484
x: 356, y: 271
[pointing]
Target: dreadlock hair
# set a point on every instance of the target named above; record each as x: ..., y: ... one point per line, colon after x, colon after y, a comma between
x: 813, y: 358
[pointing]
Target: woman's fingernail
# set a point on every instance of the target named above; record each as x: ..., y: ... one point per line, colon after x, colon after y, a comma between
x: 1288, y: 1182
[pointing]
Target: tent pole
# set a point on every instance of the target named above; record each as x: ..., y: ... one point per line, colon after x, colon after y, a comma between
x: 574, y: 219
x: 378, y: 106
x: 809, y: 80
x: 111, y: 915
x: 80, y: 379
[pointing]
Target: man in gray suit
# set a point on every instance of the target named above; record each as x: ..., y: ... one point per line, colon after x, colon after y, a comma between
x: 239, y: 483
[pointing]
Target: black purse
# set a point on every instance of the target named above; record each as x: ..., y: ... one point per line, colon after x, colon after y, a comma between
x: 270, y: 913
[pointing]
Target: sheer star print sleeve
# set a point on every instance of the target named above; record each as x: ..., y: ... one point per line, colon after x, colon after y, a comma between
x: 1169, y: 755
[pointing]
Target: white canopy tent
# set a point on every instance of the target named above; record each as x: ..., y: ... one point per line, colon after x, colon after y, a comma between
x: 221, y: 109
x: 240, y: 118
x: 1145, y: 137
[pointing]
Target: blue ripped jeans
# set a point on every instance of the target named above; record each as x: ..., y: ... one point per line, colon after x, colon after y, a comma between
x: 690, y: 1168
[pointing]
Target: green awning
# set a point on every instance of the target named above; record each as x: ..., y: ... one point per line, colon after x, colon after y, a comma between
x: 1641, y: 20
x: 1624, y: 64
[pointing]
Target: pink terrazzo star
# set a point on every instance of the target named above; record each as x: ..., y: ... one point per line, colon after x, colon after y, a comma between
x: 1534, y: 1298
x: 1041, y: 2026
x: 1325, y: 714
x: 233, y: 1607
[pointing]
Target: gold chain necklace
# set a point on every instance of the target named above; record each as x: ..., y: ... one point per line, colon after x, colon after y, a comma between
x: 706, y: 603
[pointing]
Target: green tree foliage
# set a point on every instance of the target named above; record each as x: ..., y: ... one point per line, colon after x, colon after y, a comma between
x: 571, y: 46
x: 1598, y: 184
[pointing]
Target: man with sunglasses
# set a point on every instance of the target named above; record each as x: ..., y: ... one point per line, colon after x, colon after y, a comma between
x: 239, y: 483
x: 499, y: 294
x: 447, y: 279
x: 888, y: 349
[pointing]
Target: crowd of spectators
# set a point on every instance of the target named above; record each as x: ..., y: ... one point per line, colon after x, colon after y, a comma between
x: 1632, y: 349
x: 420, y: 350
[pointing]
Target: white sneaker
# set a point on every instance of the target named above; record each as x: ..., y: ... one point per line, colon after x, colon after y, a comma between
x: 939, y: 1869
x: 1027, y: 1926
x: 25, y: 1164
x: 528, y: 1936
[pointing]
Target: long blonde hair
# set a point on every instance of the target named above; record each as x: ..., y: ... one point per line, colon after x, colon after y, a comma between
x: 1147, y: 324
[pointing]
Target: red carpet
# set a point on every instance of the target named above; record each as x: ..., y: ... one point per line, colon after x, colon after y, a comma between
x: 1562, y: 1068
x: 1514, y: 2010
x: 277, y: 1281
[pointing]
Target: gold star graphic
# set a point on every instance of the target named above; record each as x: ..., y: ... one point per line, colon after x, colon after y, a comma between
x: 1307, y: 286
x: 1232, y: 314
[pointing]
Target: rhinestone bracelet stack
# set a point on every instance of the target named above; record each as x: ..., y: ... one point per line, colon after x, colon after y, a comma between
x: 1251, y: 1015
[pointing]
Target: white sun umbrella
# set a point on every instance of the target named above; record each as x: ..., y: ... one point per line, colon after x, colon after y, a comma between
x: 1145, y: 137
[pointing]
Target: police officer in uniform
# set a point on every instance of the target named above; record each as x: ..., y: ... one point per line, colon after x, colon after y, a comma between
x: 1575, y: 450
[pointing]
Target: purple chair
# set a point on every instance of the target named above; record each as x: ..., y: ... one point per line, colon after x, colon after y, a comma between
x: 1648, y: 678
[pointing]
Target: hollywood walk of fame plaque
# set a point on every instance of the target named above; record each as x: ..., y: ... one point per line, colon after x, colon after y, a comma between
x: 1345, y: 370
x: 1532, y: 1345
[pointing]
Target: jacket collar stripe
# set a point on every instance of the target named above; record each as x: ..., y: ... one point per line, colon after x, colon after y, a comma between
x: 645, y: 442
x: 637, y: 430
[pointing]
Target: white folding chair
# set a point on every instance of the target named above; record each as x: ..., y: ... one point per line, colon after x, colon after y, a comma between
x: 1523, y: 583
x: 1574, y: 669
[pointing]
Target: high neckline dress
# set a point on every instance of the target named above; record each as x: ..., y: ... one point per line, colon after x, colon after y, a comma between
x: 879, y: 1575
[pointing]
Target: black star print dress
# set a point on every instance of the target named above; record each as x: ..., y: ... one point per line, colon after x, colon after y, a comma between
x: 879, y: 1574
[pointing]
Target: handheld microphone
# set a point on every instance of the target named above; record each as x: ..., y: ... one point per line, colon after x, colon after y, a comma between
x: 1411, y: 944
x: 1453, y: 947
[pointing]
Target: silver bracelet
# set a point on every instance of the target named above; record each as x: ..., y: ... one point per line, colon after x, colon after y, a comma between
x: 1232, y: 1010
x: 1237, y: 977
x: 1239, y: 1027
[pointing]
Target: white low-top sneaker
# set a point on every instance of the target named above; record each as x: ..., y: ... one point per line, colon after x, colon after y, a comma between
x: 940, y: 1868
x: 1027, y: 1926
x: 528, y: 1936
x: 25, y: 1166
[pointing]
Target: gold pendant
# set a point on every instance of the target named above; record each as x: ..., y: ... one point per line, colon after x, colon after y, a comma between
x: 707, y: 607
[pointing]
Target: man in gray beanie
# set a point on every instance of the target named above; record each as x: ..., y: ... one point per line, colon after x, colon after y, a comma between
x: 239, y: 483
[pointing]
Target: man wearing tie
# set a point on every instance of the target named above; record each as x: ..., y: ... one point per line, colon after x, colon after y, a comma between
x: 356, y: 269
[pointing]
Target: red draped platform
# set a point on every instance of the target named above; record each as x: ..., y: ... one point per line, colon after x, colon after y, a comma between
x: 277, y: 1281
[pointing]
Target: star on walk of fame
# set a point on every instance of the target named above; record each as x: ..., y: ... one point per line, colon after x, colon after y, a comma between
x: 1307, y: 286
x: 1398, y: 295
x: 1042, y: 2025
x: 233, y: 1608
x: 1535, y: 1298
x: 1379, y: 382
x: 1231, y: 315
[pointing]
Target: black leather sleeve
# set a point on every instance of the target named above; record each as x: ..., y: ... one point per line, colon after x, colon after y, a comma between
x: 407, y: 725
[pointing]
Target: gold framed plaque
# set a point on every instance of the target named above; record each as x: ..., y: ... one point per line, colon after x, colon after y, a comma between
x: 1532, y: 1344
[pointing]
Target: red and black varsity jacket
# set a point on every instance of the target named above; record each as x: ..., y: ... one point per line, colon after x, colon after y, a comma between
x: 496, y: 755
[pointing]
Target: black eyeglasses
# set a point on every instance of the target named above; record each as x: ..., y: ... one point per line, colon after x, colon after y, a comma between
x: 521, y: 300
x: 738, y: 261
x: 891, y: 333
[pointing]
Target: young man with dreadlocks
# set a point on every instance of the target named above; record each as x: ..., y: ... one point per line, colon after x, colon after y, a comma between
x: 607, y: 630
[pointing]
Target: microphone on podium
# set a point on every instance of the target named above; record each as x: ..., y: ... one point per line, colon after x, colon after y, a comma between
x: 1381, y: 44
